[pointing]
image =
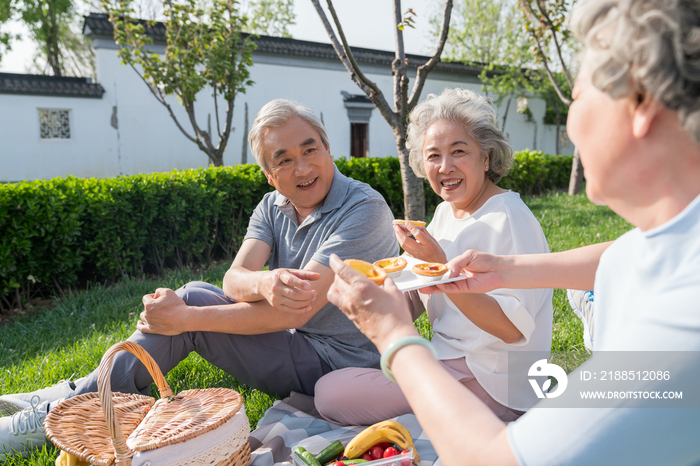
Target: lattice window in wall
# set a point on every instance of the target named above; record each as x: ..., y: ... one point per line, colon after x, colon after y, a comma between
x: 54, y: 124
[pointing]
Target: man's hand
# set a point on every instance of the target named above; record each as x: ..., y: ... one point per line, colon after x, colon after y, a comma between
x: 165, y: 313
x: 423, y: 247
x: 289, y: 290
x: 381, y: 314
x: 484, y: 273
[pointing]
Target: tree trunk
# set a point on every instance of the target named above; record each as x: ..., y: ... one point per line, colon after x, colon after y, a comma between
x: 216, y: 159
x: 53, y: 55
x: 505, y: 114
x: 576, y: 174
x: 244, y: 150
x: 413, y: 196
x: 556, y: 110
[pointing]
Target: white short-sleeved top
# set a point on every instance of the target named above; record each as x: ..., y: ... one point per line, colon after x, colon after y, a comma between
x: 646, y: 299
x: 504, y: 225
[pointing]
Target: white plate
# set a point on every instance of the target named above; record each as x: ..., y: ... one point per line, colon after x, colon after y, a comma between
x: 408, y: 280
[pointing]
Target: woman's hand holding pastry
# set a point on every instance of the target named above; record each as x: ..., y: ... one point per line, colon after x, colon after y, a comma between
x: 381, y: 314
x: 422, y: 246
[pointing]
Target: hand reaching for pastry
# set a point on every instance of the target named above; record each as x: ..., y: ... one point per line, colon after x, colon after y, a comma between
x: 422, y: 246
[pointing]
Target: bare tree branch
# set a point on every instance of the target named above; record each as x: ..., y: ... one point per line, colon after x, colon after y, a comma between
x: 203, y: 140
x: 347, y: 59
x: 556, y: 43
x: 398, y: 66
x: 216, y: 109
x: 557, y: 89
x: 424, y: 70
x: 160, y: 98
x: 227, y: 129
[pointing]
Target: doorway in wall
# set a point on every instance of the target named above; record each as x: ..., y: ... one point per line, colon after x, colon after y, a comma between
x: 358, y: 141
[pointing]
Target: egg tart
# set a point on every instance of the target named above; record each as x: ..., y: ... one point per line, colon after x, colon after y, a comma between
x: 392, y: 266
x: 417, y: 223
x: 375, y: 274
x: 429, y: 271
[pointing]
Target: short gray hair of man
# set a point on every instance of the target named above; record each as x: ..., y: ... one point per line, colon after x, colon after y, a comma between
x: 646, y: 46
x: 476, y: 115
x: 277, y: 113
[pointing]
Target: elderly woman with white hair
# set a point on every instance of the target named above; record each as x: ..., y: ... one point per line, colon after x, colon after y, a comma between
x: 636, y: 121
x: 456, y: 144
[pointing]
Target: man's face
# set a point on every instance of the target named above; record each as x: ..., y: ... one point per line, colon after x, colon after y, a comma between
x: 299, y: 166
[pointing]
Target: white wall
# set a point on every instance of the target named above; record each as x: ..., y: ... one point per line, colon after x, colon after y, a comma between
x: 90, y: 151
x: 147, y: 140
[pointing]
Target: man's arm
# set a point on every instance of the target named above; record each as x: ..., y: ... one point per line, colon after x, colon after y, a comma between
x: 286, y: 289
x: 166, y: 314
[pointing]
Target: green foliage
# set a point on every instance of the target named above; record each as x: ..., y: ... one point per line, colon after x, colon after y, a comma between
x: 6, y: 8
x: 68, y: 231
x: 534, y: 172
x: 486, y: 32
x: 269, y: 17
x: 205, y: 47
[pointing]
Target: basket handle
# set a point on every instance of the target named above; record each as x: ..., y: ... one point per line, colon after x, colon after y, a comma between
x: 122, y: 453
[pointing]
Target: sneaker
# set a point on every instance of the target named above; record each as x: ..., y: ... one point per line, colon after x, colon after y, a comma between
x: 23, y: 430
x: 11, y: 404
x: 582, y: 304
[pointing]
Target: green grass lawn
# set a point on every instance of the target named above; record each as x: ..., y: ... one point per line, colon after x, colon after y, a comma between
x: 69, y: 340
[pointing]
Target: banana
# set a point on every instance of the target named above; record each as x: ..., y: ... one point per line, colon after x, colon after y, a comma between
x: 66, y: 459
x: 392, y: 425
x: 385, y: 431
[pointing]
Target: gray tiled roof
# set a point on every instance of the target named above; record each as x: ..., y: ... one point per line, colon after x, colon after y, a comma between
x: 32, y: 84
x: 99, y: 25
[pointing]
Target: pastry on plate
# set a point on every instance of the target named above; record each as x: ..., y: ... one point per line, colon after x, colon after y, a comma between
x: 375, y: 274
x: 392, y: 265
x: 417, y: 223
x: 429, y: 271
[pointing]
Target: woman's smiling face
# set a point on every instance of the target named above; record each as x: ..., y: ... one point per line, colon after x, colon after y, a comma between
x: 454, y: 164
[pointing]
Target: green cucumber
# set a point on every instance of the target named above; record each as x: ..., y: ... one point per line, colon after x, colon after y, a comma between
x: 308, y: 458
x: 330, y: 452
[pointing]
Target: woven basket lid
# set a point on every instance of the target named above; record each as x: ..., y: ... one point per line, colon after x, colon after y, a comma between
x: 96, y: 427
x: 77, y: 425
x: 185, y: 416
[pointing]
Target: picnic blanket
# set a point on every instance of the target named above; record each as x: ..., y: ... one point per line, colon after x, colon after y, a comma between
x: 295, y: 421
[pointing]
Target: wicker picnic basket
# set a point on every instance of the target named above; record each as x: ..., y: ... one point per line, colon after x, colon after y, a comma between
x: 196, y: 427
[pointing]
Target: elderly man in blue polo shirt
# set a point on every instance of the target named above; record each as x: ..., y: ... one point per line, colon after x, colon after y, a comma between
x: 246, y: 329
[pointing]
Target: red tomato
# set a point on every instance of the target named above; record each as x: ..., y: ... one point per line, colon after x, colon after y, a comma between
x: 367, y: 457
x: 384, y: 445
x: 377, y: 452
x: 407, y: 461
x: 339, y: 463
x: 391, y: 451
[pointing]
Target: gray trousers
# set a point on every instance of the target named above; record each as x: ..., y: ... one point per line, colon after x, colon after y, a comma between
x: 275, y: 363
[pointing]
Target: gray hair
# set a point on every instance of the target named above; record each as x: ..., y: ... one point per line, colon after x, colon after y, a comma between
x: 646, y: 46
x: 275, y: 114
x: 478, y: 117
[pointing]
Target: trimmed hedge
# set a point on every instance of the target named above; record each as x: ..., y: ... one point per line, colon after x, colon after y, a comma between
x: 68, y: 231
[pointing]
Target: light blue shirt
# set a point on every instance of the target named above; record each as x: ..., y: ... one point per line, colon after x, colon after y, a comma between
x: 646, y: 299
